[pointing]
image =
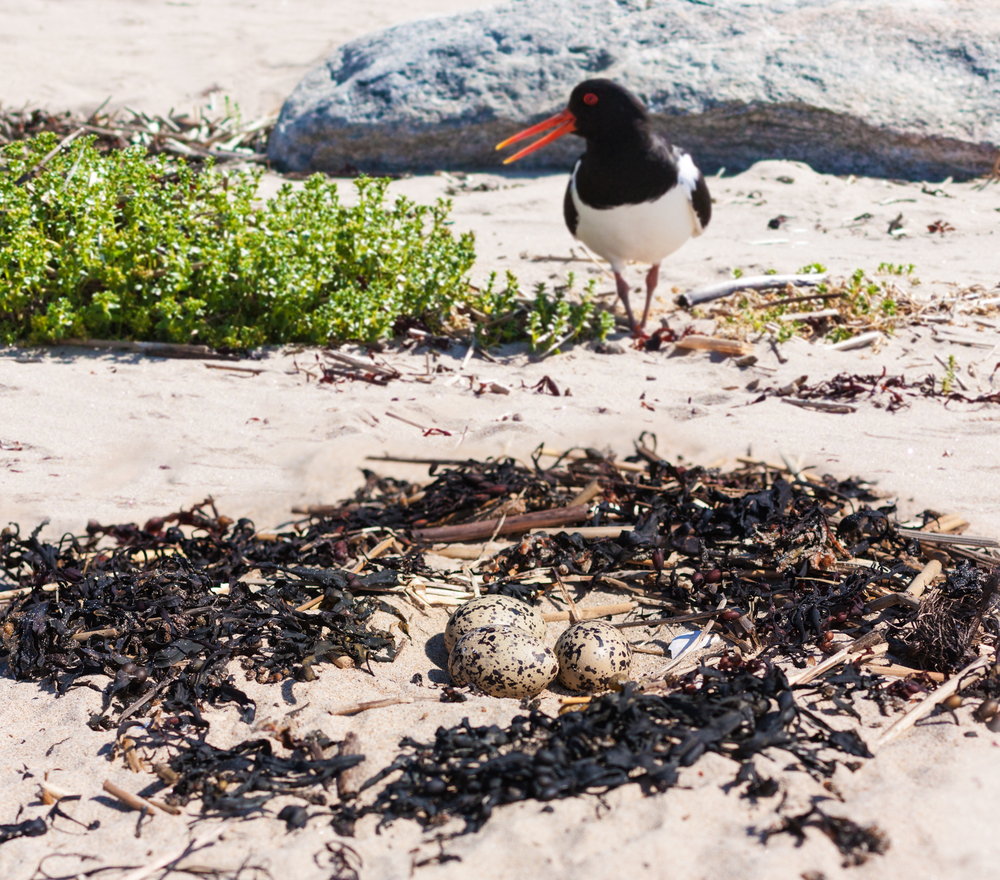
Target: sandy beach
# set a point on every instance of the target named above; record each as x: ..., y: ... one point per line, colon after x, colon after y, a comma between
x: 119, y: 437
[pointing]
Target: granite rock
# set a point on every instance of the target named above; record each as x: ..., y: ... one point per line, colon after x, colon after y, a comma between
x: 894, y: 88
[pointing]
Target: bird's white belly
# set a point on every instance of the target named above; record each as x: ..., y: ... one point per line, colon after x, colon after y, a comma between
x: 645, y: 233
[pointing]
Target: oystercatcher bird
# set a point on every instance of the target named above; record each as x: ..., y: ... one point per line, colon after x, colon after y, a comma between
x: 632, y: 195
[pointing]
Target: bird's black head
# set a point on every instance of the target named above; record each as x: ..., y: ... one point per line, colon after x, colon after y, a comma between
x: 604, y: 110
x: 607, y: 115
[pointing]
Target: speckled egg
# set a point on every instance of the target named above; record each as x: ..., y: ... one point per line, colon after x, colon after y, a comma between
x: 591, y: 655
x: 502, y: 661
x: 493, y: 611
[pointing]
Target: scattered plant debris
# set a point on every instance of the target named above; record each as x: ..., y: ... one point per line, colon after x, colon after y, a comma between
x: 620, y: 738
x: 786, y: 566
x: 882, y: 390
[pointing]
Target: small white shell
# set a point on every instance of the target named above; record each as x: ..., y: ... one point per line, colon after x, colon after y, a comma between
x: 591, y: 654
x: 493, y: 611
x: 502, y: 661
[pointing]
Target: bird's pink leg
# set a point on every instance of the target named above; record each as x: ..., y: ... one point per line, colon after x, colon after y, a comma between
x: 622, y: 285
x: 651, y: 281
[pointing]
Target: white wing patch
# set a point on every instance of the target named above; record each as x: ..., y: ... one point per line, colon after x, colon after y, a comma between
x: 687, y: 175
x: 687, y: 172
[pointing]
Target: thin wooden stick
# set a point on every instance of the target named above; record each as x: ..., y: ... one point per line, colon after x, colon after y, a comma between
x: 894, y: 599
x: 865, y: 643
x: 923, y: 578
x: 82, y: 637
x: 136, y: 802
x: 754, y: 282
x: 660, y: 621
x: 974, y: 671
x: 587, y: 494
x: 729, y: 347
x: 48, y: 793
x: 24, y: 591
x: 386, y: 702
x: 553, y: 518
x: 936, y: 538
x: 898, y: 671
x: 596, y: 531
x: 578, y: 454
x: 591, y: 613
x: 176, y: 855
x: 574, y: 613
x: 469, y: 551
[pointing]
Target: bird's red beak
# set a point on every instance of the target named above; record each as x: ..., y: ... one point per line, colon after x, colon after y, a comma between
x: 565, y: 121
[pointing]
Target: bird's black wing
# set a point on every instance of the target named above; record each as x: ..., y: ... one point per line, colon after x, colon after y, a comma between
x: 570, y: 214
x: 701, y: 201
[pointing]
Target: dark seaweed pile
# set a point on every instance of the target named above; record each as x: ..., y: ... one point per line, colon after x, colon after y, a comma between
x: 778, y: 561
x: 241, y: 780
x: 620, y: 738
x: 163, y: 613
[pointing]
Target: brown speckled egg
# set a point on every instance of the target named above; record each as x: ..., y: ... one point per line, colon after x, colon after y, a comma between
x: 493, y: 611
x: 591, y: 655
x: 502, y: 661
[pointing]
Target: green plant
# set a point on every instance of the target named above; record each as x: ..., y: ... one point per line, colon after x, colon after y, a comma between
x: 812, y: 269
x: 948, y: 380
x: 737, y: 273
x: 895, y: 269
x: 126, y: 246
x: 549, y: 321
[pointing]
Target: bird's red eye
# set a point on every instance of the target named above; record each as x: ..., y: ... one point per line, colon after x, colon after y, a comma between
x: 590, y: 98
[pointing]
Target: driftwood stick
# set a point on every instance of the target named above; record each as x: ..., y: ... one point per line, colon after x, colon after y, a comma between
x: 577, y: 454
x: 729, y: 347
x: 368, y: 366
x: 660, y: 621
x: 923, y: 578
x: 974, y: 671
x: 48, y: 793
x: 23, y: 591
x: 936, y: 538
x: 894, y: 599
x: 754, y: 282
x: 82, y: 637
x: 587, y: 494
x: 898, y: 671
x: 136, y: 802
x: 203, y: 840
x: 598, y: 531
x: 574, y: 613
x: 470, y: 551
x: 65, y: 142
x: 554, y: 518
x: 384, y: 703
x: 870, y: 642
x: 591, y: 613
x: 594, y: 613
x: 350, y: 780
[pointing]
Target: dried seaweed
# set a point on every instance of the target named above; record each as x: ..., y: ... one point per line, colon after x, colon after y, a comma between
x: 164, y: 612
x: 856, y: 842
x: 891, y: 392
x: 779, y: 560
x: 620, y: 738
x: 225, y: 780
x: 198, y: 138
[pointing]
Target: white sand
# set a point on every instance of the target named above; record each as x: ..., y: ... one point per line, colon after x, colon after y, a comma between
x: 120, y: 438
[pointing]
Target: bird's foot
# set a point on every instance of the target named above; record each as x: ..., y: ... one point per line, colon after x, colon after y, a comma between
x: 639, y: 338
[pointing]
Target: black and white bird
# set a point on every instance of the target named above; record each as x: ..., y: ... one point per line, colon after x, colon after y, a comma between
x: 632, y: 196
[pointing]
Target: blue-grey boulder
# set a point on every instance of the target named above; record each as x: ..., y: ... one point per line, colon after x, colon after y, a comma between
x: 894, y: 88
